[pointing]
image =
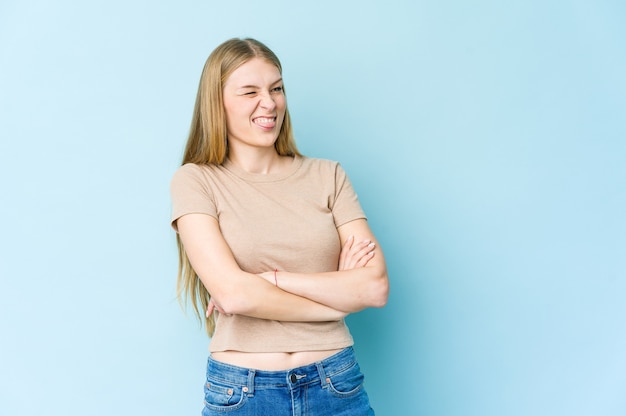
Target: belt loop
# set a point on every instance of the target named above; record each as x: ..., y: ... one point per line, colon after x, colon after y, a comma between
x: 320, y: 370
x: 251, y: 374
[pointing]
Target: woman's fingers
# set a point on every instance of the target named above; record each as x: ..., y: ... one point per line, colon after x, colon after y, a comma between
x: 345, y: 251
x: 355, y: 255
x: 364, y: 255
x: 365, y: 258
x: 210, y: 308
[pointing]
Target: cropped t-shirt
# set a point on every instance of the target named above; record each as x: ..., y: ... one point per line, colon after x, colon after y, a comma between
x: 286, y: 221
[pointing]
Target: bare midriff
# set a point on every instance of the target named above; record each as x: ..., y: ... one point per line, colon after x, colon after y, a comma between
x: 271, y: 361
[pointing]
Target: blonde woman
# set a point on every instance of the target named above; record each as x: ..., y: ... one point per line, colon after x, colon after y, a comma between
x: 274, y: 246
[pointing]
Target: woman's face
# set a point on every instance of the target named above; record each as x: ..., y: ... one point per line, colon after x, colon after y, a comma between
x: 255, y: 104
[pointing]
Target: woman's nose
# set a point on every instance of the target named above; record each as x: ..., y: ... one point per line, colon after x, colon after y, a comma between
x: 267, y: 101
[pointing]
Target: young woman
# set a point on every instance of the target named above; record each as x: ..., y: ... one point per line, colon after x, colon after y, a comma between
x: 274, y: 246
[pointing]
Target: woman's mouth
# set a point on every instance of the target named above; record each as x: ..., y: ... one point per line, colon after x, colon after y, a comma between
x: 265, y: 122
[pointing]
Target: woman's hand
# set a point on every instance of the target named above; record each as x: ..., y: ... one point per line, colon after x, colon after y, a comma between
x: 354, y: 255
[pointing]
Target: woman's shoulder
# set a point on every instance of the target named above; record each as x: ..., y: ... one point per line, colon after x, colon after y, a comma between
x: 195, y: 173
x: 197, y: 169
x: 324, y: 168
x: 319, y: 164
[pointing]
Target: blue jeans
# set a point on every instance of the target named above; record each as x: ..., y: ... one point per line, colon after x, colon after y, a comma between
x: 331, y: 387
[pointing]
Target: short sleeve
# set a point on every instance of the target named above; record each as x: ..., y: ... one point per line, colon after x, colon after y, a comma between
x: 190, y: 193
x: 346, y: 206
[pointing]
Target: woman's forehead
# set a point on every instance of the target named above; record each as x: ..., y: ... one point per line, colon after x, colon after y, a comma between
x: 255, y: 72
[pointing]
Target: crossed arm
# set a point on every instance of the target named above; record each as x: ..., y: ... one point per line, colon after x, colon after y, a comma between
x: 360, y: 282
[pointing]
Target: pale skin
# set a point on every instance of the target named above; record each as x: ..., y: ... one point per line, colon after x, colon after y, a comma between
x: 255, y: 106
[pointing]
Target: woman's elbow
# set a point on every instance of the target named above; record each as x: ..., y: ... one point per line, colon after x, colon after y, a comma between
x: 379, y: 291
x: 230, y: 309
x: 233, y: 303
x: 243, y: 305
x: 238, y: 298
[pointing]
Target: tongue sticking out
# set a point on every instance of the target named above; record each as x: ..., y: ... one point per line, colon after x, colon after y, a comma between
x: 265, y: 122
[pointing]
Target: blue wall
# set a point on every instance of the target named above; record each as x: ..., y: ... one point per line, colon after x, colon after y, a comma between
x: 487, y: 143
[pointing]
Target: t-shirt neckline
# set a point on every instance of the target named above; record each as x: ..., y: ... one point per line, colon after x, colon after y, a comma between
x: 264, y: 177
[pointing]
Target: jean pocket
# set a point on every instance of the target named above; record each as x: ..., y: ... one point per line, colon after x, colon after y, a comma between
x: 223, y: 397
x: 346, y: 383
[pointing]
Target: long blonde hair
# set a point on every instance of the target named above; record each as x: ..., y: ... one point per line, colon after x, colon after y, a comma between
x: 207, y: 144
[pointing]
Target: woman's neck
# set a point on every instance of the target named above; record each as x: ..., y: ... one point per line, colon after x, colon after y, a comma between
x: 258, y: 161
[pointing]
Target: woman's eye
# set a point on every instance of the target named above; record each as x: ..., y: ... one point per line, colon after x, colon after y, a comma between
x: 278, y: 89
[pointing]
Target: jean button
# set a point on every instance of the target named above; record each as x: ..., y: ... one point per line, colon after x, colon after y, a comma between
x: 293, y: 378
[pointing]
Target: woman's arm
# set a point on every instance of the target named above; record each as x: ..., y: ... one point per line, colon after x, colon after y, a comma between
x: 344, y: 290
x: 234, y: 291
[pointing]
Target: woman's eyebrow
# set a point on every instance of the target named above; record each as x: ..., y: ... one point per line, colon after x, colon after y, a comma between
x: 279, y: 80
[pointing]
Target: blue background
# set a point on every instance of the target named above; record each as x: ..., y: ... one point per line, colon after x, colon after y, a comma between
x: 486, y: 141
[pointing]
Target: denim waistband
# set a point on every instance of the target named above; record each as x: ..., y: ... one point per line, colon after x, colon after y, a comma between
x: 254, y: 379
